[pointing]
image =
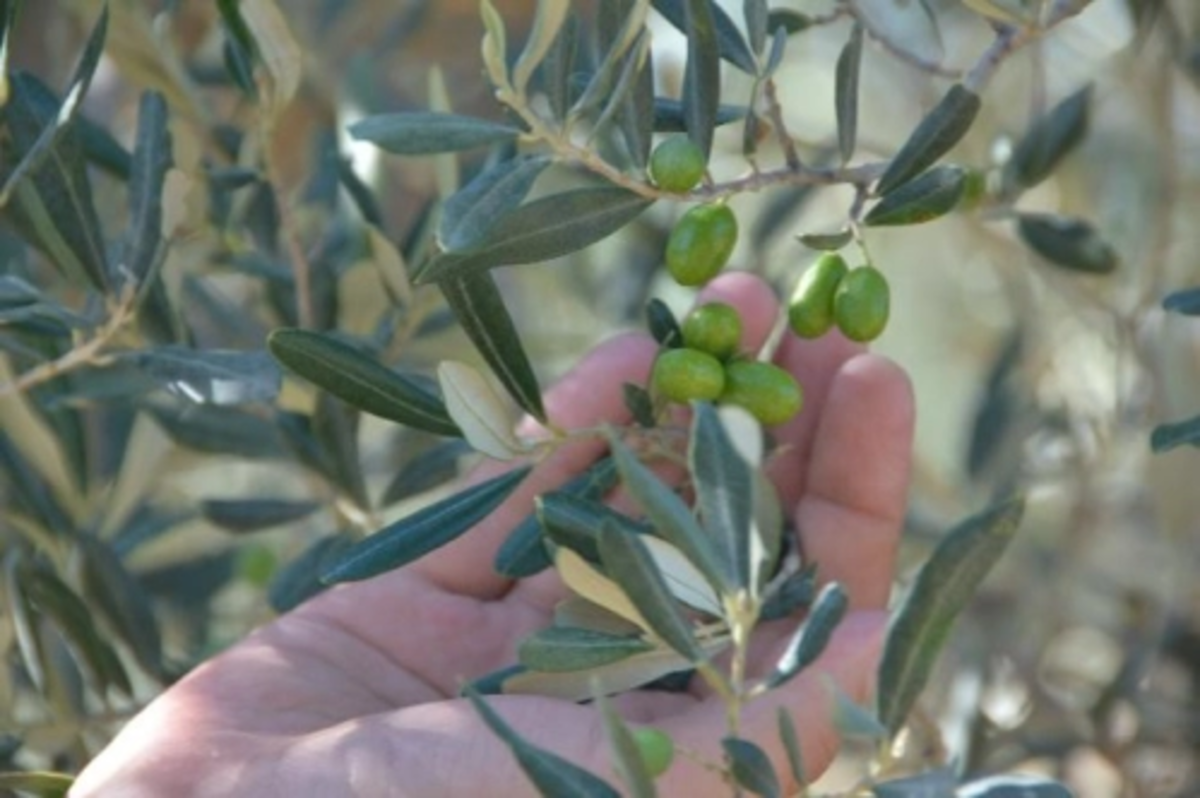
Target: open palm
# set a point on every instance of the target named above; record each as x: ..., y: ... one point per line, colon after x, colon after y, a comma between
x: 355, y: 692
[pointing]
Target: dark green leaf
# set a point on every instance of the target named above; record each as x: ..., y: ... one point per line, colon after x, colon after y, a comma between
x: 636, y: 115
x: 732, y: 46
x: 791, y: 744
x: 30, y: 493
x: 639, y: 404
x: 152, y: 158
x: 561, y: 648
x: 616, y: 39
x: 1067, y: 242
x: 252, y: 515
x: 792, y: 594
x: 335, y: 429
x: 558, y: 66
x: 845, y: 101
x: 627, y: 561
x: 426, y: 470
x: 1168, y: 436
x: 551, y: 774
x: 1050, y: 139
x: 938, y: 132
x: 428, y: 132
x: 922, y: 199
x: 751, y: 767
x: 672, y: 519
x: 1014, y: 785
x: 813, y: 636
x: 724, y: 484
x: 42, y: 784
x: 662, y: 324
x: 669, y: 116
x: 219, y: 430
x: 827, y: 242
x: 119, y: 595
x: 359, y: 380
x: 633, y: 67
x: 474, y: 209
x: 478, y: 305
x: 627, y: 756
x: 789, y: 20
x: 299, y: 580
x: 239, y: 48
x: 931, y: 784
x: 943, y: 587
x: 422, y: 532
x: 210, y: 376
x: 102, y: 150
x: 52, y: 209
x: 360, y: 194
x: 575, y: 521
x: 702, y: 74
x: 546, y: 228
x: 1186, y: 302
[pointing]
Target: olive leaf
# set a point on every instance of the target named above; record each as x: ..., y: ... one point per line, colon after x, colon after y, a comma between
x: 474, y: 209
x: 812, y: 637
x: 750, y: 767
x: 725, y: 497
x: 559, y: 648
x: 944, y: 585
x: 827, y: 242
x: 299, y: 580
x: 937, y: 133
x: 627, y: 756
x: 1168, y: 436
x: 430, y: 132
x: 757, y: 17
x: 210, y: 376
x: 152, y: 159
x: 728, y: 39
x: 616, y: 677
x: 241, y: 516
x: 922, y: 199
x: 1068, y: 242
x: 1014, y: 785
x: 791, y: 744
x: 547, y: 22
x: 359, y: 380
x: 1186, y: 301
x: 478, y: 411
x: 663, y: 326
x: 669, y: 115
x: 1050, y: 139
x: 702, y: 73
x: 846, y: 79
x: 424, y: 531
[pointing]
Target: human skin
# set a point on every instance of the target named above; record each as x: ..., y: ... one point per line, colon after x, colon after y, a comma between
x: 356, y: 691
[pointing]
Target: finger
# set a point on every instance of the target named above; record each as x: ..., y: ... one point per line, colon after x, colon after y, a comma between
x: 813, y: 364
x: 852, y: 510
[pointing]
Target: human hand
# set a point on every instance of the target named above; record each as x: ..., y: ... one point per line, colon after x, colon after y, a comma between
x: 356, y: 691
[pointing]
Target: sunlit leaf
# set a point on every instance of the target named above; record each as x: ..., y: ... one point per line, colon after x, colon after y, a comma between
x: 550, y: 773
x: 359, y: 380
x: 921, y: 199
x: 559, y: 648
x: 1050, y: 139
x: 478, y: 410
x: 810, y: 640
x: 429, y: 132
x: 943, y: 587
x: 846, y: 80
x: 590, y: 583
x: 422, y: 532
x: 1068, y: 242
x: 751, y: 767
x: 937, y: 133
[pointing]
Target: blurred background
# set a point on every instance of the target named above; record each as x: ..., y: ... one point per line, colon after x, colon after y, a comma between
x: 1081, y: 656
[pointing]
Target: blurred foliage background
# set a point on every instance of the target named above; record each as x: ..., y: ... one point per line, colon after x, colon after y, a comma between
x: 1080, y: 659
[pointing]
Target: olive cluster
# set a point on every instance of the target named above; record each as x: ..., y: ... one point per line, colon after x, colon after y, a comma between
x: 856, y: 300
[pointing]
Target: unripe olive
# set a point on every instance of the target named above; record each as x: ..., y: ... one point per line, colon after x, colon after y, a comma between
x: 766, y: 391
x: 657, y: 749
x: 862, y: 304
x: 715, y: 328
x: 677, y: 164
x: 810, y: 313
x: 682, y: 375
x: 701, y: 243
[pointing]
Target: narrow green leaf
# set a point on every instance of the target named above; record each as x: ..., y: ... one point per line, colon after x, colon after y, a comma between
x: 930, y: 784
x: 790, y: 595
x: 559, y: 648
x: 618, y: 27
x: 1168, y: 436
x: 218, y: 430
x: 42, y: 784
x: 1050, y: 139
x: 788, y: 20
x: 663, y: 326
x: 943, y: 587
x: 671, y: 518
x: 938, y: 132
x: 1067, y: 242
x: 360, y: 194
x: 547, y: 22
x: 251, y: 515
x: 551, y: 774
x: 28, y: 491
x: 358, y: 380
x: 627, y: 756
x: 751, y: 767
x: 702, y: 74
x: 813, y: 636
x: 628, y: 562
x: 575, y: 522
x: 636, y: 115
x: 724, y: 496
x: 827, y: 242
x: 121, y: 598
x: 478, y: 306
x: 733, y: 47
x: 846, y: 79
x: 430, y: 132
x: 633, y: 66
x: 424, y: 531
x: 558, y: 67
x: 426, y: 470
x: 1186, y: 301
x: 24, y: 621
x: 210, y: 376
x: 669, y: 116
x: 920, y: 200
x: 471, y: 212
x: 1014, y: 785
x: 299, y: 580
x: 791, y: 745
x: 152, y: 158
x: 757, y: 17
x: 541, y: 230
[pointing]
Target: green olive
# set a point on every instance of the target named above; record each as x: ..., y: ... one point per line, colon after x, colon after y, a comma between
x: 810, y: 313
x: 682, y: 375
x: 862, y: 304
x: 677, y: 164
x: 715, y: 328
x: 657, y: 749
x: 766, y: 391
x: 701, y: 243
